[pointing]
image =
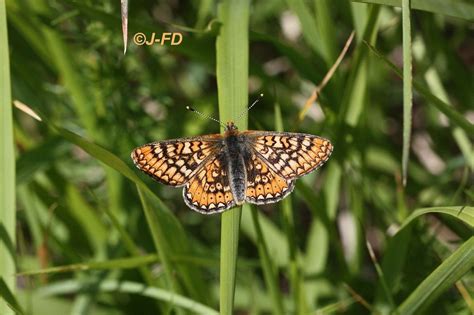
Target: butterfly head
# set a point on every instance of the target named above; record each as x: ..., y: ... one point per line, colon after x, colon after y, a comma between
x: 230, y: 127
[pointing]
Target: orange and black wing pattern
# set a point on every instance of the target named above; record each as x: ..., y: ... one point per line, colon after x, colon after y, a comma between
x: 209, y: 190
x: 174, y: 162
x: 290, y: 155
x: 264, y: 185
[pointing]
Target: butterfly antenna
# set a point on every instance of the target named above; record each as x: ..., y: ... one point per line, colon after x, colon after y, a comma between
x: 205, y: 116
x: 252, y: 105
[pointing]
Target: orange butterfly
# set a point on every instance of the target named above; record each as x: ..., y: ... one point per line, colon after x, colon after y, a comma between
x: 219, y: 172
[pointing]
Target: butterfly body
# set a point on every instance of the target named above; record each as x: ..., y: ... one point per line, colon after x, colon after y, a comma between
x: 219, y: 172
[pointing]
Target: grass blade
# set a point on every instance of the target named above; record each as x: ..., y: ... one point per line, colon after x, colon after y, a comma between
x: 454, y: 8
x: 121, y: 263
x: 7, y: 165
x: 407, y: 87
x: 309, y: 28
x: 294, y: 270
x: 72, y: 286
x: 442, y: 278
x: 465, y: 214
x: 9, y: 299
x: 432, y: 99
x: 269, y: 270
x: 232, y: 83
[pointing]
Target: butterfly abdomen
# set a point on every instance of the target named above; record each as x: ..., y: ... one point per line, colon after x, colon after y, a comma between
x: 234, y: 147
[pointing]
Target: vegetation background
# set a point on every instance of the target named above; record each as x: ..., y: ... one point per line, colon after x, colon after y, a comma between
x: 93, y: 236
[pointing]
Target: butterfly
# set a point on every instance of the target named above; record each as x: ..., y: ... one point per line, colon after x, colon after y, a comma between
x: 219, y: 172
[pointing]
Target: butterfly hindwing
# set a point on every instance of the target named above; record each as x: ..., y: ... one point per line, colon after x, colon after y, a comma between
x: 264, y: 185
x: 209, y: 190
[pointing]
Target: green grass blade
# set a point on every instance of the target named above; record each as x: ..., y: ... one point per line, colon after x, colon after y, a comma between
x: 7, y: 164
x: 407, y: 87
x: 354, y: 93
x: 432, y: 99
x: 162, y: 227
x: 276, y: 239
x: 465, y: 214
x: 326, y: 30
x: 308, y: 26
x: 232, y: 82
x: 121, y: 263
x: 8, y: 299
x: 441, y: 279
x: 454, y: 8
x: 294, y: 270
x: 435, y: 84
x: 269, y: 270
x: 73, y: 286
x: 161, y: 244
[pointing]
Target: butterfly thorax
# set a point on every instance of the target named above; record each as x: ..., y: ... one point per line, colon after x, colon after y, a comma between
x: 236, y: 150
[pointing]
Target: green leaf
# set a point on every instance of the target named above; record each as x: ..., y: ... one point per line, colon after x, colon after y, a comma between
x: 113, y: 286
x: 308, y: 25
x: 432, y: 99
x: 9, y: 298
x: 7, y: 165
x: 122, y: 263
x: 441, y: 279
x: 454, y: 8
x: 232, y: 82
x: 407, y: 87
x: 465, y: 214
x: 269, y: 270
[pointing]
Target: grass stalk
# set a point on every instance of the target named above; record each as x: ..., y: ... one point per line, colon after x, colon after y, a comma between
x: 7, y: 165
x: 407, y: 87
x: 268, y: 267
x: 232, y: 82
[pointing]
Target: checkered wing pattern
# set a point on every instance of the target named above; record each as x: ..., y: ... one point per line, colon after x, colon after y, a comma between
x: 175, y: 162
x: 264, y: 185
x: 290, y: 155
x: 209, y: 190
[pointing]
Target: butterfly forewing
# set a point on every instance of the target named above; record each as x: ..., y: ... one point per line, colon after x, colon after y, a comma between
x: 175, y: 162
x: 209, y: 190
x: 290, y: 155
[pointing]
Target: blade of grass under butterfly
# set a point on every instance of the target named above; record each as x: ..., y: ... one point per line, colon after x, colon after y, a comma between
x: 7, y: 166
x: 232, y: 83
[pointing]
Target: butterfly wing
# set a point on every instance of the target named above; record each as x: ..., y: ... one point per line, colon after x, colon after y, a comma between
x: 290, y: 155
x: 209, y: 190
x: 175, y: 162
x: 264, y: 185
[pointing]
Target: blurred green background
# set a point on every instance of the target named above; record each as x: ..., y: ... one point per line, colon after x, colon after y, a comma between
x: 119, y: 250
